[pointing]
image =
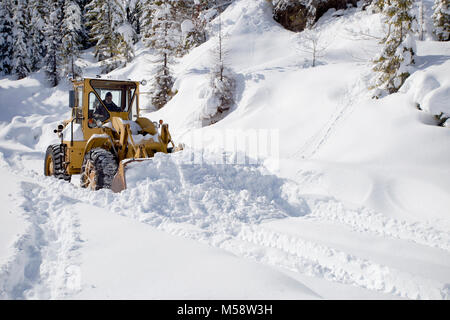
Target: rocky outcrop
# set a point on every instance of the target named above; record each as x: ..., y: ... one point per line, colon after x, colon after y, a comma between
x: 296, y: 15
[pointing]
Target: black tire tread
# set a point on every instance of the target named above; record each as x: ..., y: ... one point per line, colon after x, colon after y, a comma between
x: 105, y: 165
x: 57, y: 153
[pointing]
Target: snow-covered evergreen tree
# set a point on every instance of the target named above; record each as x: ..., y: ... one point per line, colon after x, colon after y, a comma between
x: 222, y: 81
x: 421, y: 21
x: 6, y: 36
x: 134, y: 15
x: 128, y: 38
x: 441, y: 19
x: 148, y: 9
x: 195, y: 16
x: 105, y: 17
x: 38, y: 15
x: 162, y: 32
x: 162, y: 28
x: 392, y: 64
x: 21, y: 62
x: 71, y: 41
x: 85, y: 39
x: 54, y: 35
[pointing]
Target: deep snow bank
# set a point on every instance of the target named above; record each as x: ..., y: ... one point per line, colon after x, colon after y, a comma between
x: 429, y: 86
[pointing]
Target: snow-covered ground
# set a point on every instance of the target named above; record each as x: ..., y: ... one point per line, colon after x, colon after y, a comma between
x: 350, y: 201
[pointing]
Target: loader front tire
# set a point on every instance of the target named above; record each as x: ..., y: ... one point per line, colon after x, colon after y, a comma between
x: 54, y: 162
x: 98, y: 169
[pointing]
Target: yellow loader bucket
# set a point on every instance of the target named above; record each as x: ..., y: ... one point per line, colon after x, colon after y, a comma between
x: 119, y: 182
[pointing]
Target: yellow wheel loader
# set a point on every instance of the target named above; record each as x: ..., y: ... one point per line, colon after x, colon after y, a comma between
x: 104, y: 134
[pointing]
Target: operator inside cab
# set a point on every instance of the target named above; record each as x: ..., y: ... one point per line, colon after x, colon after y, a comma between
x: 101, y: 113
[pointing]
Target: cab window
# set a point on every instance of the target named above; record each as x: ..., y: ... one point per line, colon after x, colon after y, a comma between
x: 96, y: 110
x: 80, y: 97
x: 116, y: 98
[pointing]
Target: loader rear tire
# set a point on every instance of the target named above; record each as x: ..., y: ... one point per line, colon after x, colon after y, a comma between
x: 54, y: 162
x: 98, y: 169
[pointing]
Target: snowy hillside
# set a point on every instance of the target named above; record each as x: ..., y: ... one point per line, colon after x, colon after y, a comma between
x: 307, y: 189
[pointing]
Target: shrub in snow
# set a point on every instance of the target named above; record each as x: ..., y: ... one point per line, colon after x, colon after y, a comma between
x: 443, y: 119
x: 393, y: 64
x: 311, y: 43
x: 441, y: 19
x: 218, y: 97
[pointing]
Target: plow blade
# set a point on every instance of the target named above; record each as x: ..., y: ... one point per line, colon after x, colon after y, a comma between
x: 119, y: 182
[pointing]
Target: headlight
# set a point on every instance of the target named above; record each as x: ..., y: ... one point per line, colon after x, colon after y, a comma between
x: 143, y: 82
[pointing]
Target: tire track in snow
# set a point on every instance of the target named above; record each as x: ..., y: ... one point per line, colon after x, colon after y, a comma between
x: 366, y: 220
x: 317, y: 260
x: 44, y: 266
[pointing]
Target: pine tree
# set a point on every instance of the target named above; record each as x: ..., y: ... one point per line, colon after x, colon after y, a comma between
x: 71, y: 41
x: 148, y: 9
x: 134, y: 14
x: 6, y: 37
x: 163, y: 34
x: 421, y: 21
x: 21, y: 65
x: 441, y: 19
x: 194, y: 23
x: 222, y: 81
x: 54, y: 35
x: 127, y: 39
x: 162, y: 26
x: 38, y: 16
x: 399, y: 47
x: 105, y: 17
x: 85, y: 40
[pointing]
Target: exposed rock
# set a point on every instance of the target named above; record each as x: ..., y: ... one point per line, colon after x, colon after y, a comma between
x: 296, y: 15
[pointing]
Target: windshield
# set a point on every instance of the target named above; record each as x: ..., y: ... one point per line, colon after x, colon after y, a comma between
x: 112, y: 99
x: 116, y: 96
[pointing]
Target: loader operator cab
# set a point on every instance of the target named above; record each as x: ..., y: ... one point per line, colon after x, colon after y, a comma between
x: 108, y: 99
